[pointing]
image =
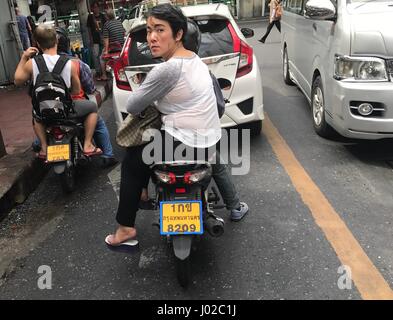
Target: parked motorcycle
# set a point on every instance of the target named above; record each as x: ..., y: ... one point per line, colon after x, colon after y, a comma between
x: 186, y: 208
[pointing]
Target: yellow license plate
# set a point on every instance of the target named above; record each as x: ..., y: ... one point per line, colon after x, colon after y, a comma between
x: 60, y: 152
x: 181, y: 217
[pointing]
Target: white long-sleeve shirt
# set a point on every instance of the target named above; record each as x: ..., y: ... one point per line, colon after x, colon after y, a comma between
x: 183, y: 90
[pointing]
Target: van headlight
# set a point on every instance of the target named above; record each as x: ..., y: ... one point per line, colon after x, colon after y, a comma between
x: 360, y: 69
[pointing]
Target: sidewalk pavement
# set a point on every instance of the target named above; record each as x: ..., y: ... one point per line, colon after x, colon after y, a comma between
x: 20, y: 172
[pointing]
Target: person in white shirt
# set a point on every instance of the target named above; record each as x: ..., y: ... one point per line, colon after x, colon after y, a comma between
x: 182, y: 90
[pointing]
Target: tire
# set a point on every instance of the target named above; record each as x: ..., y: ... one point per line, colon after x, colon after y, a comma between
x: 285, y: 68
x: 183, y: 271
x: 321, y: 127
x: 255, y: 128
x: 67, y: 179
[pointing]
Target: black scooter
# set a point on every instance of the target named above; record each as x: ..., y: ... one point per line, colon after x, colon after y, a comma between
x: 186, y: 208
x: 65, y: 136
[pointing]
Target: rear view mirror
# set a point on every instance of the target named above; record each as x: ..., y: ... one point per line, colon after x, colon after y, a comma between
x: 320, y: 10
x: 247, y: 32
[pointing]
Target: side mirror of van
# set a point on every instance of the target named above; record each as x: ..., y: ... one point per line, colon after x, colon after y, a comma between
x: 320, y: 10
x: 247, y: 32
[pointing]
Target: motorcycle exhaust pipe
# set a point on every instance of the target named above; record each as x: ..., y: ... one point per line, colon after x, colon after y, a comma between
x: 215, y: 226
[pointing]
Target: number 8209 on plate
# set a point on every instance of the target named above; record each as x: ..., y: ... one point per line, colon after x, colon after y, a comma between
x: 181, y: 217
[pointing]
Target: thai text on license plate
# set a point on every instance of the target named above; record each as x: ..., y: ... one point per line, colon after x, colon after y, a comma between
x: 60, y: 152
x: 181, y: 217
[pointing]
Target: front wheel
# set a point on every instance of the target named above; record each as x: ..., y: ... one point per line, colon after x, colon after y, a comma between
x: 285, y: 68
x: 321, y: 127
x: 183, y: 271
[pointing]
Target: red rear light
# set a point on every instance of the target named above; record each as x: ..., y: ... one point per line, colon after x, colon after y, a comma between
x: 246, y: 53
x: 165, y: 177
x: 119, y: 68
x: 180, y: 190
x: 194, y: 176
x: 57, y: 133
x: 187, y: 176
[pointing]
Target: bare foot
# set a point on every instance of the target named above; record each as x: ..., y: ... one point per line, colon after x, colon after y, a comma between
x: 144, y: 195
x: 91, y: 149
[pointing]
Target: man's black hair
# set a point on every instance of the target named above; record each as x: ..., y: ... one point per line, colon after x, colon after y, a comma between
x: 63, y: 44
x: 171, y: 14
x: 93, y: 3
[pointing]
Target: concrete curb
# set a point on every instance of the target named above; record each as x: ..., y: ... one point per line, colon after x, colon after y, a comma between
x: 21, y: 173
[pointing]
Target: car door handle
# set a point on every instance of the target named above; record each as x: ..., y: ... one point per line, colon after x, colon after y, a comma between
x: 314, y: 26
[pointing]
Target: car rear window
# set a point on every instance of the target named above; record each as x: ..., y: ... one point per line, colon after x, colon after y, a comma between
x: 215, y: 40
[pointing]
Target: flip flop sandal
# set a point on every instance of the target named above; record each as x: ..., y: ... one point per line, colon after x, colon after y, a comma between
x: 93, y: 153
x: 41, y: 156
x: 128, y: 246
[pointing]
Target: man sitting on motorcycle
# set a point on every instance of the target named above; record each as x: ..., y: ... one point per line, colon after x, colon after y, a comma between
x: 27, y: 69
x: 101, y: 133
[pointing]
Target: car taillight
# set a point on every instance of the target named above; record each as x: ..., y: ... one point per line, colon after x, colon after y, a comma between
x: 246, y: 53
x: 57, y: 133
x: 119, y: 68
x: 165, y: 177
x: 194, y: 176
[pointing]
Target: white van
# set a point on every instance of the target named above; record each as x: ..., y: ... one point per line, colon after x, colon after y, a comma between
x: 340, y: 54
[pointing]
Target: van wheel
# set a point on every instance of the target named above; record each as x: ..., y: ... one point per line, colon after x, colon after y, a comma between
x: 321, y: 127
x: 285, y: 68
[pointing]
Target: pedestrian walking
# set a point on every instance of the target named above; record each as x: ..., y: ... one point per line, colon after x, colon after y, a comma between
x: 95, y: 24
x: 24, y: 28
x: 113, y: 36
x: 274, y: 18
x: 30, y: 19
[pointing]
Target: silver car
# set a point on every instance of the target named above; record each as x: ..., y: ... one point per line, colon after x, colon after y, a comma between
x: 340, y: 54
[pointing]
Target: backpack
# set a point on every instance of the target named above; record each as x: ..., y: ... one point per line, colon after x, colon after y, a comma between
x: 219, y: 96
x: 50, y: 96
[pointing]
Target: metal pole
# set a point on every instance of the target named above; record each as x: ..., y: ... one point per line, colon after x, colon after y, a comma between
x: 14, y: 28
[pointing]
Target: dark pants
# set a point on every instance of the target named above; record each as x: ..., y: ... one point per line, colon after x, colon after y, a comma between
x: 270, y: 26
x: 135, y: 175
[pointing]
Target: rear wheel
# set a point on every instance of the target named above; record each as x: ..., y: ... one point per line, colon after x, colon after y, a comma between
x: 285, y: 68
x: 67, y: 179
x: 321, y: 127
x: 183, y: 271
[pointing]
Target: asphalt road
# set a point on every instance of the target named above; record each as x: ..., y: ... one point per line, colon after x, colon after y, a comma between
x: 303, y: 225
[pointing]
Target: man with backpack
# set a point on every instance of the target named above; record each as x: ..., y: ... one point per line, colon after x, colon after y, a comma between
x: 101, y: 133
x: 59, y: 77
